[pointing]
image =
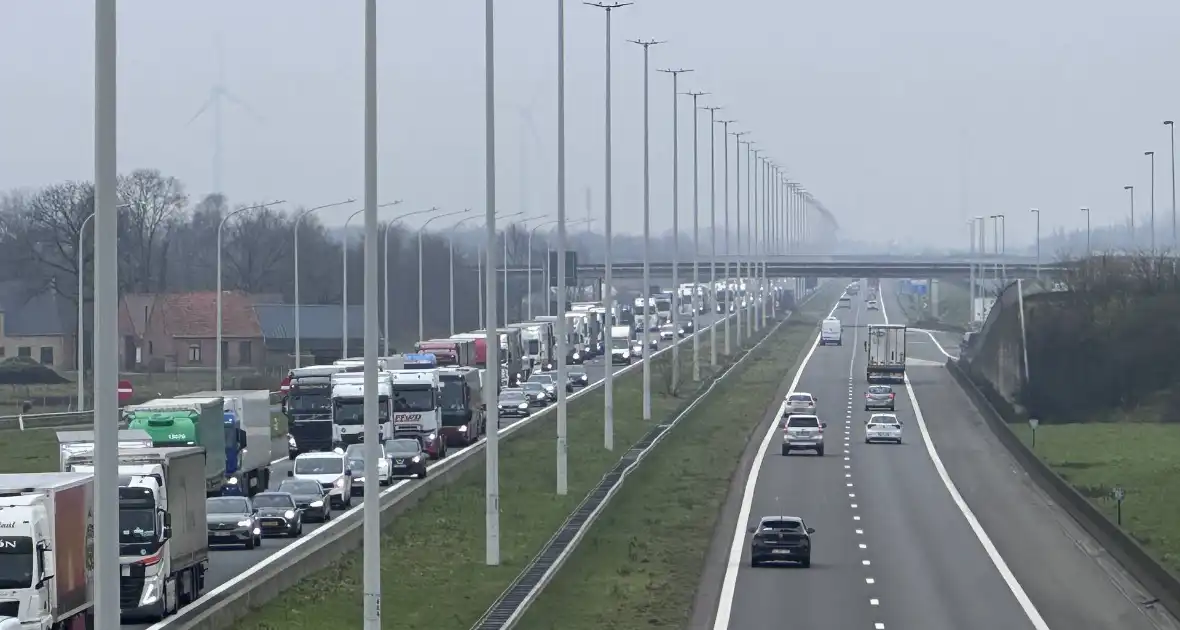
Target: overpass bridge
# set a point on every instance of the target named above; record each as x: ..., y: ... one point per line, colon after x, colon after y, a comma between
x: 828, y: 266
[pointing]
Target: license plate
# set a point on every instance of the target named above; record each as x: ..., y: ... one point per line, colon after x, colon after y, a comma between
x: 781, y: 551
x: 803, y: 443
x: 125, y: 571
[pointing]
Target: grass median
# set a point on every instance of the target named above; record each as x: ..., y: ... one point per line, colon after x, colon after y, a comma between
x: 433, y: 570
x: 641, y: 561
x: 1138, y: 456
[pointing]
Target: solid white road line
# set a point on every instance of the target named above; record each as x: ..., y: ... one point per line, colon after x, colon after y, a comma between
x: 729, y: 582
x: 1030, y: 610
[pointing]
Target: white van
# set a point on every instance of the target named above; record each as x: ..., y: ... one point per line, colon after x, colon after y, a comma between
x: 831, y: 332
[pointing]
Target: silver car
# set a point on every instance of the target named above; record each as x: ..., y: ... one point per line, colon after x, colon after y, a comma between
x: 879, y: 397
x: 883, y: 427
x: 801, y: 402
x: 803, y: 433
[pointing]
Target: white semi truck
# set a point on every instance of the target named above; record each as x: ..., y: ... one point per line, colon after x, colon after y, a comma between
x: 348, y: 407
x: 163, y: 538
x: 417, y: 411
x: 47, y: 551
x: 886, y: 353
x: 247, y: 439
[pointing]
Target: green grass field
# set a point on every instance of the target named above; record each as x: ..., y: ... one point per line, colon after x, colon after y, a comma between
x: 433, y: 569
x: 1138, y: 456
x: 628, y: 572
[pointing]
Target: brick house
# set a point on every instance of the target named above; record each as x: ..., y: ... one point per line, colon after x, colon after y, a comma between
x: 165, y: 332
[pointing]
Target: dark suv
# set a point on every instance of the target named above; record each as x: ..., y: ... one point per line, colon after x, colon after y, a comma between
x: 781, y: 539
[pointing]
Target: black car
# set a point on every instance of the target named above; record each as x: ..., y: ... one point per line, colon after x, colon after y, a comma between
x: 538, y: 397
x: 577, y: 377
x: 406, y: 458
x: 278, y: 514
x: 547, y: 380
x: 781, y: 539
x: 232, y: 521
x: 514, y: 403
x: 310, y: 498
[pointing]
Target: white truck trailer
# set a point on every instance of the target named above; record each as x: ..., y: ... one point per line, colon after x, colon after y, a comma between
x: 247, y: 440
x: 886, y: 353
x: 47, y: 551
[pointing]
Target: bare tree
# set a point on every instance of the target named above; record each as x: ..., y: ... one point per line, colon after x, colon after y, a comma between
x: 152, y: 204
x: 257, y: 249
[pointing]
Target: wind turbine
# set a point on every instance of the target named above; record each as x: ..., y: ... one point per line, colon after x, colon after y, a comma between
x: 217, y: 94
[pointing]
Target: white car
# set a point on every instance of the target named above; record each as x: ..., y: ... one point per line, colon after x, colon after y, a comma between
x: 668, y: 331
x: 801, y: 402
x: 872, y: 305
x: 330, y: 470
x: 356, y: 457
x: 883, y: 427
x: 803, y: 433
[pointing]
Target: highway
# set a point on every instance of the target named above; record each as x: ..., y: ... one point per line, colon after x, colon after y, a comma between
x: 227, y: 563
x: 943, y: 531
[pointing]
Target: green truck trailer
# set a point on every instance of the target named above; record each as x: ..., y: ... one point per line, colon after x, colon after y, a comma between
x: 186, y: 422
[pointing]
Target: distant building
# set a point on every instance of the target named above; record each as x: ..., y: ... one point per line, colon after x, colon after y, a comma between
x: 321, y: 328
x: 166, y: 332
x: 37, y: 323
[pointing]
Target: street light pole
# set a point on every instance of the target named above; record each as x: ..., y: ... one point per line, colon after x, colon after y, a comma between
x: 82, y: 316
x: 385, y: 267
x: 696, y: 234
x: 220, y: 227
x: 675, y: 218
x: 713, y: 227
x: 451, y: 247
x: 1038, y: 213
x: 299, y: 220
x: 1151, y: 154
x: 491, y: 338
x: 728, y: 295
x: 344, y: 287
x: 562, y: 428
x: 751, y: 202
x: 1131, y: 189
x: 646, y: 228
x: 737, y: 249
x: 1172, y: 133
x: 608, y: 436
x: 1088, y: 248
x: 421, y: 333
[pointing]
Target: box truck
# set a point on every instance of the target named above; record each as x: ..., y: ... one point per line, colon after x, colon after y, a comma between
x: 46, y: 551
x: 186, y: 422
x: 246, y: 422
x: 886, y: 353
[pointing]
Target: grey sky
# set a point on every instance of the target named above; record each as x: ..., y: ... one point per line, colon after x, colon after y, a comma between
x: 879, y: 108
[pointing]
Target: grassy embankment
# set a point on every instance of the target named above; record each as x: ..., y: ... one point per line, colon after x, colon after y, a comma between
x: 628, y: 571
x: 433, y: 567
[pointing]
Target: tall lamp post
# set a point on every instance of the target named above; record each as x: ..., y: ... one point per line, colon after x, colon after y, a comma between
x: 675, y: 72
x: 82, y: 316
x: 713, y: 225
x: 737, y: 248
x: 1038, y: 213
x: 1151, y: 154
x: 608, y: 429
x: 751, y: 228
x: 421, y: 334
x: 344, y: 286
x: 220, y: 228
x: 299, y: 220
x: 696, y: 233
x: 371, y: 538
x: 1088, y: 248
x: 728, y: 295
x: 1172, y: 133
x: 385, y: 266
x: 451, y: 247
x: 647, y: 44
x: 1131, y: 190
x: 492, y: 447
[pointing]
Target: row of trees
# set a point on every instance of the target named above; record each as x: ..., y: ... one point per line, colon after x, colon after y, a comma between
x: 1109, y: 342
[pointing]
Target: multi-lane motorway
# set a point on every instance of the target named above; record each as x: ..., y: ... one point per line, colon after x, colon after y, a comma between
x: 943, y: 531
x: 225, y: 564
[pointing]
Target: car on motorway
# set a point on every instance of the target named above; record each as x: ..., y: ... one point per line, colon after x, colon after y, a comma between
x: 879, y: 397
x: 278, y: 514
x: 668, y: 331
x: 780, y: 539
x: 803, y: 433
x: 577, y: 376
x: 310, y: 497
x: 801, y: 402
x: 548, y: 380
x: 536, y: 393
x: 872, y: 305
x: 232, y: 521
x: 356, y: 463
x: 636, y: 349
x: 330, y: 470
x: 513, y: 403
x: 844, y: 302
x: 407, y: 458
x: 685, y: 329
x: 883, y: 427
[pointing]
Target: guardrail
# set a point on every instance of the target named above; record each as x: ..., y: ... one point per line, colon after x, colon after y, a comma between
x: 1139, y: 562
x: 228, y: 602
x: 515, y: 601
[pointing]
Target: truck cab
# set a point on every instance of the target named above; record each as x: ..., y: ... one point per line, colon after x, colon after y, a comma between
x: 348, y: 407
x: 416, y: 409
x: 464, y: 415
x: 308, y: 407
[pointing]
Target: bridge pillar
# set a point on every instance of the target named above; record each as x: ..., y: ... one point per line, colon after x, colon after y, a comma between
x: 933, y: 283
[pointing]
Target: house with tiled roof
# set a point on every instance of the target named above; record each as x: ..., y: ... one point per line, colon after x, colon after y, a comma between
x: 36, y: 322
x: 169, y: 331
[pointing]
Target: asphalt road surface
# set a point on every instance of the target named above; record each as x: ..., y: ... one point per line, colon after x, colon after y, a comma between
x: 943, y: 531
x: 225, y: 564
